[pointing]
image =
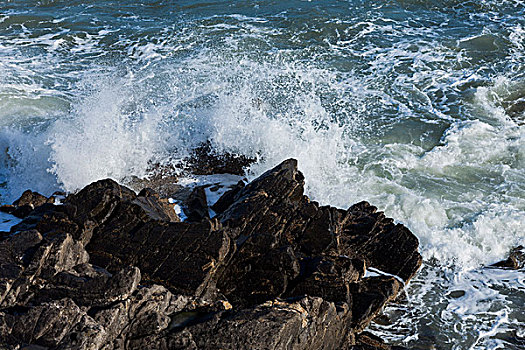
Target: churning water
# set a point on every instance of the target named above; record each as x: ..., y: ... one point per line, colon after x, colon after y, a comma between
x: 417, y: 106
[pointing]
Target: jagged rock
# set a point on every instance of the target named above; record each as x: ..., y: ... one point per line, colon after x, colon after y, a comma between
x: 274, y: 204
x: 15, y: 254
x: 146, y: 314
x: 33, y: 199
x: 389, y: 247
x: 56, y: 299
x: 182, y: 256
x: 328, y: 277
x: 87, y: 334
x: 27, y: 202
x: 81, y: 213
x: 196, y: 205
x: 46, y: 324
x: 156, y: 208
x: 89, y: 286
x: 97, y: 201
x: 103, y: 200
x: 49, y: 219
x: 309, y: 323
x: 207, y: 161
x: 273, y: 270
x: 258, y: 272
x: 227, y: 198
x: 7, y: 208
x: 41, y: 258
x: 369, y: 295
x: 161, y: 178
x: 516, y: 259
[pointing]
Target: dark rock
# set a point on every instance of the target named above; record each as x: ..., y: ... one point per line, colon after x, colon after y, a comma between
x: 50, y: 220
x: 15, y: 254
x: 516, y: 259
x: 368, y: 234
x: 103, y: 200
x: 274, y: 204
x: 368, y: 341
x: 22, y: 211
x: 205, y: 160
x: 274, y: 270
x: 183, y: 256
x: 89, y: 286
x: 369, y: 295
x: 227, y: 198
x: 96, y: 202
x: 196, y: 205
x: 81, y: 213
x: 328, y: 277
x: 44, y: 325
x: 161, y: 178
x: 36, y: 259
x: 27, y: 202
x: 144, y: 320
x: 7, y: 208
x: 258, y: 273
x: 309, y: 323
x: 456, y: 294
x: 33, y: 199
x: 155, y: 207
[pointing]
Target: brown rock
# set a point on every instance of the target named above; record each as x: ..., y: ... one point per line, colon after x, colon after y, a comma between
x: 515, y: 261
x: 309, y: 323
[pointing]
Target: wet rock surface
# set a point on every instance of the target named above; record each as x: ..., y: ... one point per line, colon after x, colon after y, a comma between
x: 24, y: 205
x: 110, y: 269
x: 515, y: 261
x: 205, y: 160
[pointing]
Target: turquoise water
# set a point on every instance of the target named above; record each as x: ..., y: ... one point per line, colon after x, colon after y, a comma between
x: 415, y: 106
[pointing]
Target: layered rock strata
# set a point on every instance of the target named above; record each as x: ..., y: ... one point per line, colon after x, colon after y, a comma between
x: 110, y: 269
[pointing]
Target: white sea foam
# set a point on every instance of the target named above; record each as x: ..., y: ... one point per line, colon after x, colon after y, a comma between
x: 417, y: 129
x: 103, y: 139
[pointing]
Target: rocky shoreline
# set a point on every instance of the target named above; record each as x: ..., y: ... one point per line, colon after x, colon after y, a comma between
x: 110, y: 269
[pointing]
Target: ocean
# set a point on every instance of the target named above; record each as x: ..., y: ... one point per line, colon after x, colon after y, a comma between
x: 416, y: 106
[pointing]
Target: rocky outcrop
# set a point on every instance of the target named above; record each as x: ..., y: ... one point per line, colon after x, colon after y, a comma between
x: 110, y: 269
x: 24, y: 205
x: 205, y: 160
x: 515, y: 261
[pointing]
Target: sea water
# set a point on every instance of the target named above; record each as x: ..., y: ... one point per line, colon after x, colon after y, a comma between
x: 416, y: 106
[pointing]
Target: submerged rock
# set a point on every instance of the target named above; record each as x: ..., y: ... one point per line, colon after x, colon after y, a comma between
x: 110, y: 269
